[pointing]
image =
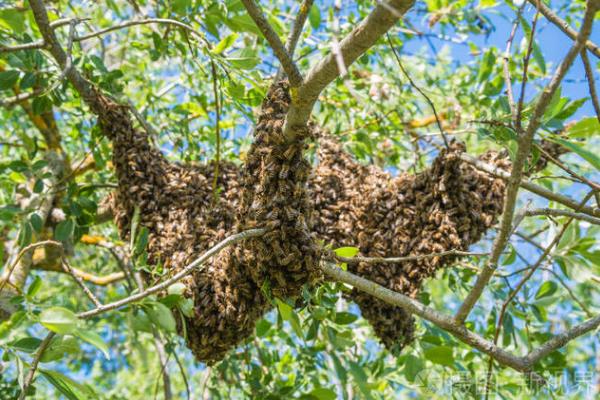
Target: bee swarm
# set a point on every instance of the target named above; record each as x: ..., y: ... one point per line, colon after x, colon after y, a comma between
x: 448, y: 206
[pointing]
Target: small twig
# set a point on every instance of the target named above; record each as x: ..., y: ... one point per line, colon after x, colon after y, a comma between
x: 79, y: 281
x: 393, y: 260
x: 589, y: 73
x: 277, y: 46
x: 505, y: 66
x: 24, y: 250
x: 517, y: 121
x: 215, y: 84
x: 562, y: 213
x: 418, y: 89
x: 568, y: 170
x: 34, y: 364
x: 180, y: 275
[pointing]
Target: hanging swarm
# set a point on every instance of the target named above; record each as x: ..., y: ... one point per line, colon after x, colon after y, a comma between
x: 343, y: 203
x: 275, y: 196
x: 449, y: 206
x: 177, y: 207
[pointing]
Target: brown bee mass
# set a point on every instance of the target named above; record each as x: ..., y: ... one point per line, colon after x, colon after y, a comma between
x: 448, y: 206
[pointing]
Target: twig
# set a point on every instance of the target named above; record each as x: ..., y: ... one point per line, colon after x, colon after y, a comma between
x: 524, y: 146
x: 525, y: 69
x: 24, y: 250
x: 79, y: 281
x: 505, y: 65
x: 418, y: 89
x: 564, y: 26
x: 279, y: 49
x: 292, y: 40
x: 589, y: 73
x: 562, y: 213
x: 215, y: 84
x: 533, y: 188
x: 393, y: 260
x: 181, y: 274
x: 34, y: 364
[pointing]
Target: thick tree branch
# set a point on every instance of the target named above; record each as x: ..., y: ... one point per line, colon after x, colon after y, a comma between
x: 362, y: 37
x: 564, y: 26
x: 449, y: 324
x: 524, y: 147
x: 279, y: 49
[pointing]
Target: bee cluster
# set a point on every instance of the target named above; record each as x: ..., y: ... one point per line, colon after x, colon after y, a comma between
x: 448, y: 206
x: 275, y: 196
x: 178, y: 208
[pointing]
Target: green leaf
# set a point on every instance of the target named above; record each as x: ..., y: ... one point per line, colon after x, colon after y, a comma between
x: 36, y: 222
x: 225, y: 43
x: 59, y: 320
x: 288, y: 314
x: 262, y: 327
x: 314, y: 16
x: 242, y: 23
x: 345, y: 318
x: 59, y: 346
x: 346, y: 252
x: 322, y: 394
x: 581, y: 151
x: 412, y: 367
x: 161, y: 315
x: 8, y: 79
x: 68, y: 387
x: 177, y: 288
x: 26, y: 345
x: 34, y: 287
x: 64, y: 230
x: 584, y: 128
x: 547, y: 289
x: 180, y: 6
x: 94, y: 339
x: 442, y: 355
x: 12, y: 19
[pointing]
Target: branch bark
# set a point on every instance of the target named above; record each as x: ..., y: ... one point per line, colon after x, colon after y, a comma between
x: 279, y: 49
x: 449, y: 324
x: 362, y: 37
x: 564, y: 26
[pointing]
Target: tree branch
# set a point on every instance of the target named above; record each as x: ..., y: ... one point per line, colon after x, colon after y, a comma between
x: 181, y: 274
x: 589, y: 73
x: 34, y: 364
x: 531, y: 187
x: 362, y: 37
x: 562, y: 213
x: 564, y: 26
x: 449, y: 324
x: 393, y: 260
x: 280, y: 51
x: 524, y: 146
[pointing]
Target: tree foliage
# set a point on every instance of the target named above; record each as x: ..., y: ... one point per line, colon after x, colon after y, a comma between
x: 192, y: 74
